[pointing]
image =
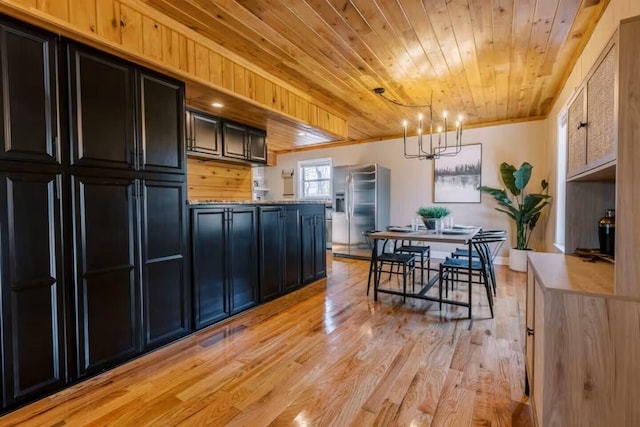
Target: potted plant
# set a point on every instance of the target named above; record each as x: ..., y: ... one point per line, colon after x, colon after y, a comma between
x: 430, y: 214
x: 524, y: 209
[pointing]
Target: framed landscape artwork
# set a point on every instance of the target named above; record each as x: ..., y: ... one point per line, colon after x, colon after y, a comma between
x: 457, y: 178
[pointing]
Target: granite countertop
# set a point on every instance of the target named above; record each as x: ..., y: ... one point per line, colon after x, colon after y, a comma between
x: 252, y: 202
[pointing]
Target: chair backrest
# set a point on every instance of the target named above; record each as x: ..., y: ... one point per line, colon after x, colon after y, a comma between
x: 488, y: 247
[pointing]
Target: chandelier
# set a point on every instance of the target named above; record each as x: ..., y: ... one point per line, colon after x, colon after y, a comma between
x: 438, y: 145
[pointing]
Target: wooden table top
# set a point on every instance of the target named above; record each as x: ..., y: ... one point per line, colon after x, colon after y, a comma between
x: 428, y: 235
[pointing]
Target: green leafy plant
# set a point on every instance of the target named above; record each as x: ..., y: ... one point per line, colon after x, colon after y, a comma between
x: 524, y: 209
x: 433, y: 212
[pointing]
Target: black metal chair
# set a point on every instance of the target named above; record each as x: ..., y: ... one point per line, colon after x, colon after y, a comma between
x: 491, y: 248
x: 390, y: 260
x: 451, y: 268
x: 405, y: 246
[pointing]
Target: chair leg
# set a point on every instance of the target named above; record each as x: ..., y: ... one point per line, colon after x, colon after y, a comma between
x: 404, y: 283
x: 487, y: 288
x: 440, y: 279
x: 371, y: 267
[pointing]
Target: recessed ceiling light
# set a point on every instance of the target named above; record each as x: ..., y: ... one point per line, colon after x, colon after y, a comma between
x: 217, y: 105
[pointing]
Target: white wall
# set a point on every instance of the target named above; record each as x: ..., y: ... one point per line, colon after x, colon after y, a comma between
x: 616, y: 11
x: 412, y: 180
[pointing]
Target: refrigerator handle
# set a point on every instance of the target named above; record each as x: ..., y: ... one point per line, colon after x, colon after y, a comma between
x: 347, y: 197
x: 351, y: 201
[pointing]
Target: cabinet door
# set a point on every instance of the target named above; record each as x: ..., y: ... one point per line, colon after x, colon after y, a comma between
x: 307, y: 221
x: 577, y: 138
x: 28, y: 93
x: 209, y: 240
x: 102, y: 113
x: 601, y: 131
x: 234, y: 141
x: 107, y: 272
x: 292, y: 257
x: 162, y: 124
x: 257, y: 145
x: 320, y: 246
x: 165, y: 294
x: 31, y: 285
x: 206, y: 136
x: 243, y: 259
x: 271, y: 252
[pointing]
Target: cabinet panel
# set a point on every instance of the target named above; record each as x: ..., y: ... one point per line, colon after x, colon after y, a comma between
x: 600, y: 112
x: 162, y: 116
x: 166, y: 297
x: 243, y: 259
x: 208, y: 254
x: 103, y: 129
x: 313, y: 243
x: 307, y: 247
x: 28, y: 93
x: 292, y: 254
x: 271, y: 252
x: 107, y: 298
x: 257, y: 146
x: 577, y: 138
x: 234, y: 141
x: 31, y: 287
x: 205, y: 134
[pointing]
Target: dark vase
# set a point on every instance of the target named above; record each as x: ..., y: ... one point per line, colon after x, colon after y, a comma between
x: 607, y: 232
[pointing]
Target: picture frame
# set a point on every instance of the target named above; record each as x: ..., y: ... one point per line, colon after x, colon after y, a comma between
x: 456, y: 178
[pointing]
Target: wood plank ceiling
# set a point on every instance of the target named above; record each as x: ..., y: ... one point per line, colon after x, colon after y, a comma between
x: 491, y: 61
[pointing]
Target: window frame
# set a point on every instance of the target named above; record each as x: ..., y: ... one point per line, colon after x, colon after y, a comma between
x: 302, y: 164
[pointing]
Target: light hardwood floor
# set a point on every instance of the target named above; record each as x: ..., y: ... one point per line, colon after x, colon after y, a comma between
x: 326, y: 355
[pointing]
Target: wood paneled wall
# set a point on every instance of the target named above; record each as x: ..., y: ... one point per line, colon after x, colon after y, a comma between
x: 139, y: 32
x: 213, y: 180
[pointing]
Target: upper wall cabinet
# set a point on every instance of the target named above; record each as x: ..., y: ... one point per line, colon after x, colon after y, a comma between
x: 241, y: 142
x: 29, y: 113
x: 214, y: 137
x: 204, y: 134
x: 592, y: 117
x: 105, y: 94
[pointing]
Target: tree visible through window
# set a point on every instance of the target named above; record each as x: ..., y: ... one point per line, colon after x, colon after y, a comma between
x: 315, y: 179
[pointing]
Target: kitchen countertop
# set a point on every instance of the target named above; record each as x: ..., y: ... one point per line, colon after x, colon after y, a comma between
x: 253, y: 202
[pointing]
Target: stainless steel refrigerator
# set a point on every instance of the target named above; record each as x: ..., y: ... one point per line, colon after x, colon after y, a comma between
x: 360, y: 204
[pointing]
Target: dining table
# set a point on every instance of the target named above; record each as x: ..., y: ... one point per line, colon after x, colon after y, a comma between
x: 454, y: 236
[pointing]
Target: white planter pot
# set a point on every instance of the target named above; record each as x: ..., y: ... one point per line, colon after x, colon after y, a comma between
x: 518, y: 259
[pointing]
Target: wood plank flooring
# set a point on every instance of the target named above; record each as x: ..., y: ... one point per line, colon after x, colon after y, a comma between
x: 326, y: 355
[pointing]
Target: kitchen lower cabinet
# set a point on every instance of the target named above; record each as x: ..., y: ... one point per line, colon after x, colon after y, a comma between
x: 225, y: 262
x: 291, y: 278
x: 32, y: 286
x: 280, y: 256
x: 271, y: 242
x: 313, y: 244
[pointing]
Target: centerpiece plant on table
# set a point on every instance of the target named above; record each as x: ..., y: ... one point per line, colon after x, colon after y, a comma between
x: 431, y: 213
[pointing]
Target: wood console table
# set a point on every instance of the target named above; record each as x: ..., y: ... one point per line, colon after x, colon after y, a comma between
x: 582, y: 344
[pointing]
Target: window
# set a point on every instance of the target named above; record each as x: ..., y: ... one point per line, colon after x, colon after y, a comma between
x: 315, y: 179
x: 559, y: 201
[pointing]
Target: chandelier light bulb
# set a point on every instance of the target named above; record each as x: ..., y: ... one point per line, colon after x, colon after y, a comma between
x: 404, y: 124
x: 439, y: 129
x: 444, y: 114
